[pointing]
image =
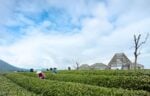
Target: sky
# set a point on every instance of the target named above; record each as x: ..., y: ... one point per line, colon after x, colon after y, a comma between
x: 59, y: 33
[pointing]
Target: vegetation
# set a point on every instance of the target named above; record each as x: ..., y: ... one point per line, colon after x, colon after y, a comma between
x: 108, y: 72
x: 126, y: 82
x: 77, y: 83
x: 8, y: 88
x: 57, y: 88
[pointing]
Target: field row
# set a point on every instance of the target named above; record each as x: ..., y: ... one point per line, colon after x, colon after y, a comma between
x: 126, y: 82
x: 8, y: 88
x: 59, y: 88
x: 108, y: 72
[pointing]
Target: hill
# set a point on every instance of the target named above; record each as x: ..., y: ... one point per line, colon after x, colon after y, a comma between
x: 4, y: 67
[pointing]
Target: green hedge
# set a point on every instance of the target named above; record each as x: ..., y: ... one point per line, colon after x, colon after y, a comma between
x: 126, y: 82
x: 56, y: 88
x: 8, y: 88
x: 108, y: 72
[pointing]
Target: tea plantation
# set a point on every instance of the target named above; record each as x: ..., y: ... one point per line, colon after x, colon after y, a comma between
x: 77, y: 83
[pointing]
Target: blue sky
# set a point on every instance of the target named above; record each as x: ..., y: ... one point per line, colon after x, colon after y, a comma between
x: 57, y: 33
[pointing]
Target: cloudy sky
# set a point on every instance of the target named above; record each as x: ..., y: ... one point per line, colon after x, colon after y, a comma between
x: 57, y: 33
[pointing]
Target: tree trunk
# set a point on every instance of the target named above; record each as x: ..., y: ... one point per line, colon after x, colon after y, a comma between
x: 135, y: 61
x: 137, y: 45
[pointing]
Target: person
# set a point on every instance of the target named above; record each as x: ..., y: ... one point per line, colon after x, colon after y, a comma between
x: 41, y: 75
x: 69, y: 68
x: 55, y: 70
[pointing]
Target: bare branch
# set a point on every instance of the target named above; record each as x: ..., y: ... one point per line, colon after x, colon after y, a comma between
x: 138, y: 53
x: 135, y: 39
x: 138, y: 39
x: 77, y: 65
x: 138, y: 44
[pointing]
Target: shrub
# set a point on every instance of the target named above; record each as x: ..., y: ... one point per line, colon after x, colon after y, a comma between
x: 56, y: 88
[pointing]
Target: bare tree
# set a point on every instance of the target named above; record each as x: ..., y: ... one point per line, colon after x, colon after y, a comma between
x: 137, y: 45
x: 77, y: 66
x: 76, y: 63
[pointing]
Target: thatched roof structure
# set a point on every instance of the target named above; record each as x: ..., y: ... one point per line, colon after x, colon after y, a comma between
x: 96, y: 66
x: 84, y: 67
x: 120, y: 61
x: 99, y: 66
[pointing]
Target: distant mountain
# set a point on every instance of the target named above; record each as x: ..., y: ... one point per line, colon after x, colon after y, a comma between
x: 4, y: 67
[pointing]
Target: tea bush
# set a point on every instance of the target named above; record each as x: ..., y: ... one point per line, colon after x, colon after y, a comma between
x: 57, y: 88
x: 8, y: 88
x: 126, y: 82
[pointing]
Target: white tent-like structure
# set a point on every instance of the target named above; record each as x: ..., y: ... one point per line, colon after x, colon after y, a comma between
x: 121, y: 61
x: 99, y: 66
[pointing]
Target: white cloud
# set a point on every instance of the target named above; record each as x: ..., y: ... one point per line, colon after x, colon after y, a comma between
x: 5, y: 11
x: 97, y: 41
x: 128, y: 11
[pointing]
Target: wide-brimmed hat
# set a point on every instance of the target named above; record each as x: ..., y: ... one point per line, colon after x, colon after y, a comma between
x: 38, y: 72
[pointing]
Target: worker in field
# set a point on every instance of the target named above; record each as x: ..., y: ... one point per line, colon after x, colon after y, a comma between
x: 54, y: 70
x: 41, y: 75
